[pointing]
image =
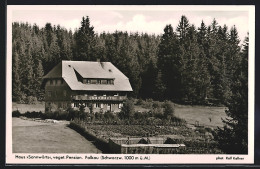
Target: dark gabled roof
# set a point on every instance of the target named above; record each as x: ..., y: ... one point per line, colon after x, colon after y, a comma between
x: 88, y: 69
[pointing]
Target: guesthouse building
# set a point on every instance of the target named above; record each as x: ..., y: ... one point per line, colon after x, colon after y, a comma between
x: 98, y: 86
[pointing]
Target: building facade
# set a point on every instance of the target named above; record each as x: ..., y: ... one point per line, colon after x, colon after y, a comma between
x: 98, y: 86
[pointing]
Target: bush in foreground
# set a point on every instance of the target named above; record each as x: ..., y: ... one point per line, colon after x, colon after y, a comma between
x: 127, y: 110
x: 33, y: 114
x: 168, y: 109
x: 16, y: 113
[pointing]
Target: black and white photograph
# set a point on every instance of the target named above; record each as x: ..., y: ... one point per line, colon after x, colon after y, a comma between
x: 139, y: 84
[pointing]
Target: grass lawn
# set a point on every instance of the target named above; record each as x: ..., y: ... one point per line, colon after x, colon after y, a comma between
x: 37, y: 137
x: 208, y: 116
x: 205, y: 115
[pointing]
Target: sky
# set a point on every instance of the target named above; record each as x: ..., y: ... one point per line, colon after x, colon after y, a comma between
x: 142, y: 19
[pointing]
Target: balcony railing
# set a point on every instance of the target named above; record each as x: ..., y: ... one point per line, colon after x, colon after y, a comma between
x: 82, y: 97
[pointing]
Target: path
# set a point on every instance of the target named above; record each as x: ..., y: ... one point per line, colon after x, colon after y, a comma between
x: 38, y: 137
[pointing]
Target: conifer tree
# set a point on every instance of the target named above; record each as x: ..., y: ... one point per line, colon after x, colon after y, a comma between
x: 233, y: 138
x: 183, y: 27
x: 169, y: 64
x: 84, y: 41
x: 38, y: 81
x: 203, y: 63
x: 16, y: 83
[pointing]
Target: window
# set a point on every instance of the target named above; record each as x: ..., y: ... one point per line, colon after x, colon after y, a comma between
x: 120, y: 105
x: 64, y: 93
x: 93, y: 81
x: 98, y: 81
x: 61, y: 81
x: 84, y: 81
x: 56, y: 82
x: 51, y: 82
x: 110, y: 81
x: 75, y: 104
x: 109, y: 107
x: 103, y: 81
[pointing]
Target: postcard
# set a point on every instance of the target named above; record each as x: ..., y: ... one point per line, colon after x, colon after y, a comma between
x: 130, y: 84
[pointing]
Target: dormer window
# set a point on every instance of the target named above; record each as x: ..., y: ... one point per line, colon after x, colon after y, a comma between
x: 98, y: 81
x: 110, y: 81
x: 84, y: 81
x: 93, y: 81
x: 103, y: 81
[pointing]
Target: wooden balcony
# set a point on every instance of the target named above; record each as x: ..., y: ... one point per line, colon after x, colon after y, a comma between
x: 89, y: 98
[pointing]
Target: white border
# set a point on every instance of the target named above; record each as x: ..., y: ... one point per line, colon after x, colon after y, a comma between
x: 154, y: 159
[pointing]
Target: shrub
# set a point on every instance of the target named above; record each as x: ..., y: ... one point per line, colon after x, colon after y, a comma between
x: 33, y: 114
x: 158, y: 113
x: 16, y: 113
x: 201, y: 130
x: 48, y: 115
x: 109, y: 115
x: 208, y: 129
x: 148, y: 104
x: 21, y: 99
x: 168, y: 109
x: 139, y: 102
x: 138, y: 115
x: 31, y: 100
x: 60, y: 115
x: 127, y: 110
x: 157, y: 104
x: 57, y: 115
x: 99, y: 115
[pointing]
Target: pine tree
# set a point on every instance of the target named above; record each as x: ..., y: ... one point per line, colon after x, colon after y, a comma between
x: 84, y: 41
x: 183, y: 27
x: 16, y: 83
x: 159, y: 87
x: 202, y: 34
x: 169, y: 64
x: 38, y: 81
x: 149, y: 81
x: 214, y: 66
x: 203, y: 63
x: 191, y: 73
x: 233, y: 138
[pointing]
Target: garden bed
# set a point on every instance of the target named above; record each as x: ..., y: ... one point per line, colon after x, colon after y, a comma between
x: 197, y: 143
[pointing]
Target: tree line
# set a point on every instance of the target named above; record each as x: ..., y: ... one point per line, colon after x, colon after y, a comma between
x: 186, y: 64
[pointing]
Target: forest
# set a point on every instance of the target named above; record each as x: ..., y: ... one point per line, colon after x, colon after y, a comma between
x: 186, y: 65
